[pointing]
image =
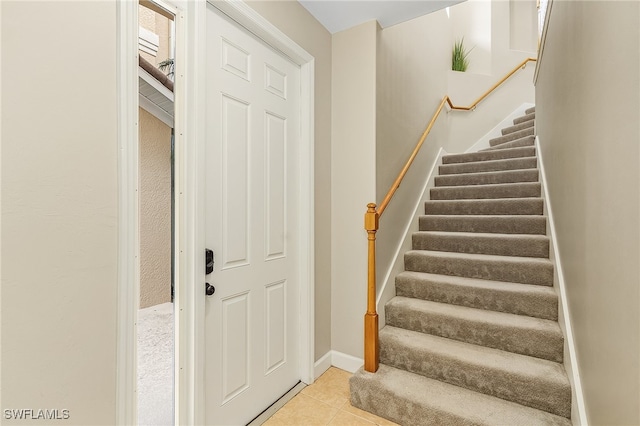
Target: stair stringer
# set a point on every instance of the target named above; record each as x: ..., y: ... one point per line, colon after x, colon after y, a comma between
x: 570, y: 361
x: 387, y: 290
x: 483, y: 142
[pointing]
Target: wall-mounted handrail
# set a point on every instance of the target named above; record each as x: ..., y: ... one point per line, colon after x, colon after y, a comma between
x: 372, y: 219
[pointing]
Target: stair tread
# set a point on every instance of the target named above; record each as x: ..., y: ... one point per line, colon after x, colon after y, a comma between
x: 518, y: 224
x: 485, y: 235
x: 481, y: 283
x: 438, y: 402
x: 480, y: 356
x: 498, y: 267
x: 516, y: 127
x: 497, y: 165
x: 524, y: 118
x: 502, y: 319
x: 512, y: 136
x: 500, y: 296
x: 525, y: 245
x: 490, y: 206
x: 489, y: 200
x: 505, y: 154
x: 483, y: 257
x: 530, y: 381
x: 489, y: 185
x: 486, y: 216
x: 529, y: 141
x: 480, y: 175
x: 487, y: 191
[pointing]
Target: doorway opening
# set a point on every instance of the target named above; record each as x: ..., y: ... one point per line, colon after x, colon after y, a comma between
x: 155, y: 324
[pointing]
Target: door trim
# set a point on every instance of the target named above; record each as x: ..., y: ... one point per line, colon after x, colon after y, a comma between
x: 128, y: 242
x: 191, y: 403
x: 263, y: 29
x: 189, y: 211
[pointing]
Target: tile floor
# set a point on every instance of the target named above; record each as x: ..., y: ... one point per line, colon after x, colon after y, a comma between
x: 326, y: 402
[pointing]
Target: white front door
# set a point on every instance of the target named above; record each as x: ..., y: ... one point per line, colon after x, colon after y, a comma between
x: 252, y: 221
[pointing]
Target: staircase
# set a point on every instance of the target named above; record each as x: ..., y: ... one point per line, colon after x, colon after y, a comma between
x: 472, y: 336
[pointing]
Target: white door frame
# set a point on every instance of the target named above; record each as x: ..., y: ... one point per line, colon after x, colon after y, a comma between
x: 189, y: 214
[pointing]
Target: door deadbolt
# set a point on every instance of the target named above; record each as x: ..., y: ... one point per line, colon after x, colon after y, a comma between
x: 209, y: 261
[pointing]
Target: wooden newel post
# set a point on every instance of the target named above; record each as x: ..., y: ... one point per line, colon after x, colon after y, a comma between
x: 371, y: 317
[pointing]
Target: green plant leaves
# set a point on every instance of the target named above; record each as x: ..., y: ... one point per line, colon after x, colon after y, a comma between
x: 459, y: 61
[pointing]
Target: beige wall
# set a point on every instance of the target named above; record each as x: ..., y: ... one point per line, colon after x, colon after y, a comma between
x: 509, y: 25
x: 413, y: 62
x: 155, y: 210
x: 59, y: 209
x: 414, y: 74
x: 294, y: 20
x: 588, y: 104
x: 353, y: 179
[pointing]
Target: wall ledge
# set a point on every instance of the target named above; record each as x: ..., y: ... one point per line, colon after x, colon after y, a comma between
x: 543, y: 41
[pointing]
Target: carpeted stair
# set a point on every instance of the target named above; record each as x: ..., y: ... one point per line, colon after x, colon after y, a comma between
x: 472, y: 337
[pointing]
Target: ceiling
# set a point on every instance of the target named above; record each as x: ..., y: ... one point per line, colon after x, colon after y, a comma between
x: 338, y: 15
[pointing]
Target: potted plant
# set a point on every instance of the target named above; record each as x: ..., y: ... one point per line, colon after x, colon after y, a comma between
x: 459, y: 60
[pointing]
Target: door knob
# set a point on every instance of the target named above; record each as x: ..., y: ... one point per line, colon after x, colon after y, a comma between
x: 210, y: 289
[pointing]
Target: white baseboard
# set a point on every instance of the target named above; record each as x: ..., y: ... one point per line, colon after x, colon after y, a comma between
x: 496, y: 132
x: 346, y: 362
x: 339, y: 360
x: 570, y: 358
x: 322, y: 365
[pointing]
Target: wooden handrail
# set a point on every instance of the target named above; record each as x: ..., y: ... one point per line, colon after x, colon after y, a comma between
x: 372, y: 218
x: 520, y: 66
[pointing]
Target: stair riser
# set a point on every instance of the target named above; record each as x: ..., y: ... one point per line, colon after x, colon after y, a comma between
x: 489, y: 166
x: 514, y: 190
x: 518, y: 127
x: 496, y: 245
x: 384, y: 403
x: 530, y: 175
x: 530, y: 110
x: 489, y: 224
x: 512, y: 136
x: 507, y: 270
x: 536, y: 304
x: 532, y: 342
x: 518, y: 143
x: 536, y: 392
x: 524, y: 118
x: 489, y: 155
x: 517, y: 206
x: 389, y: 394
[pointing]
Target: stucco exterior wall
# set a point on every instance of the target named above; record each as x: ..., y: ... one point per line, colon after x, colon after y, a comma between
x: 587, y: 109
x: 159, y: 25
x: 155, y: 210
x: 59, y: 209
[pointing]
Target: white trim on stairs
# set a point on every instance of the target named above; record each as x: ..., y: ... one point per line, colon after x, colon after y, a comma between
x: 564, y: 318
x: 339, y: 360
x: 387, y: 291
x: 496, y: 132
